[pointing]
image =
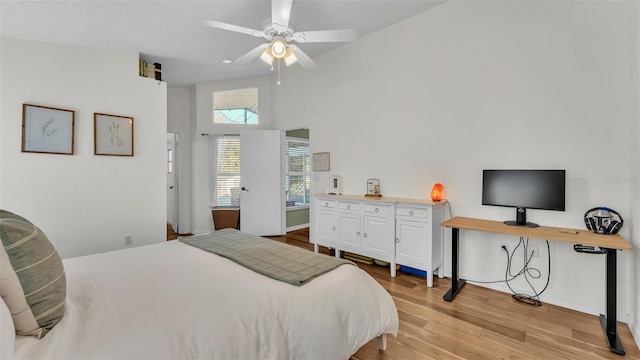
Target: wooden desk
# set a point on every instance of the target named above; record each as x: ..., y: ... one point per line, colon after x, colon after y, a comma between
x: 610, y: 243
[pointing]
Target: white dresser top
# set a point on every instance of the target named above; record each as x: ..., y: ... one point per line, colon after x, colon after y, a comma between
x: 382, y: 199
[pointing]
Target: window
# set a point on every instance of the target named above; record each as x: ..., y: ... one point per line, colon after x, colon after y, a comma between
x: 239, y: 106
x: 228, y: 171
x: 297, y: 168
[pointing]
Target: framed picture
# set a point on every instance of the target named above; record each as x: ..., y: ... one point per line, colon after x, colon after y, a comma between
x: 113, y: 135
x: 47, y: 130
x: 321, y: 161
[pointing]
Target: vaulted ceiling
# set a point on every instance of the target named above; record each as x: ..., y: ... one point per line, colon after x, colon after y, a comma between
x: 166, y: 31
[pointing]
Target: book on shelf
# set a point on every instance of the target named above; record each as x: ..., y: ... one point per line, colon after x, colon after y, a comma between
x: 150, y: 70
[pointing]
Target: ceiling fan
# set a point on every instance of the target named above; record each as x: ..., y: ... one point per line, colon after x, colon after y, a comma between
x: 280, y: 35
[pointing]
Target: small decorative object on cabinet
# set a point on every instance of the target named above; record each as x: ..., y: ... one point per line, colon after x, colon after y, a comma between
x: 437, y: 192
x: 373, y: 188
x: 334, y: 187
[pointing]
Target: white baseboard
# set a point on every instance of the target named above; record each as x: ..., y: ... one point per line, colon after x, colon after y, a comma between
x: 297, y: 227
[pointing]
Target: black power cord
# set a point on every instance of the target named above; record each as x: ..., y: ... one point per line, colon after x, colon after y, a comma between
x: 526, y: 271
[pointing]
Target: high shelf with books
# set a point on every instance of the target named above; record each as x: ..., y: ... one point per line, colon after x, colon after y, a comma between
x: 150, y: 70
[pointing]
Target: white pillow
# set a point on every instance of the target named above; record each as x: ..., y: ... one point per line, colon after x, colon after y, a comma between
x: 7, y: 332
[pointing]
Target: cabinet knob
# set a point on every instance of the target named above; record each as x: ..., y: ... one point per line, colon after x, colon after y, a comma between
x: 348, y: 207
x: 410, y: 213
x: 334, y: 229
x: 365, y: 234
x: 358, y: 233
x: 377, y: 209
x: 397, y: 240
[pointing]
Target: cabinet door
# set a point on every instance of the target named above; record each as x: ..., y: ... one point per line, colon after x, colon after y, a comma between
x: 377, y: 235
x: 349, y: 231
x: 325, y: 228
x: 412, y: 243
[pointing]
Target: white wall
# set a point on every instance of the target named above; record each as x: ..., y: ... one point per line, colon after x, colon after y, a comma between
x: 468, y: 86
x: 84, y: 203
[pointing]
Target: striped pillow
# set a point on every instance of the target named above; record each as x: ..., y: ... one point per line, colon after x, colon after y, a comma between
x: 32, y: 279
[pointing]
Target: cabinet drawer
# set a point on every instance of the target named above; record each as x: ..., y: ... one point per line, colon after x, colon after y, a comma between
x: 412, y: 212
x: 378, y: 209
x: 348, y: 206
x: 325, y: 204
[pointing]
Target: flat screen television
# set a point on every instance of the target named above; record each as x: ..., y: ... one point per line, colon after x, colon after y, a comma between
x: 524, y: 189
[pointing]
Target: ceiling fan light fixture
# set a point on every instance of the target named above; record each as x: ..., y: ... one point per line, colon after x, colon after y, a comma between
x: 267, y: 57
x: 278, y: 48
x: 290, y: 57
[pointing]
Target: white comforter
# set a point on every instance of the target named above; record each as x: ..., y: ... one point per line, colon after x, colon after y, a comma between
x: 174, y: 301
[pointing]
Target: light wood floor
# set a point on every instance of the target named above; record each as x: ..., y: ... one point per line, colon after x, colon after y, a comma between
x: 480, y: 323
x: 171, y: 235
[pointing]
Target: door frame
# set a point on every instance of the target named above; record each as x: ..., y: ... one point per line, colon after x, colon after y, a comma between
x: 175, y: 209
x: 284, y: 215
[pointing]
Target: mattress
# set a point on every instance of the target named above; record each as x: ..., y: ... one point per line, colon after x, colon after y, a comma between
x: 171, y: 300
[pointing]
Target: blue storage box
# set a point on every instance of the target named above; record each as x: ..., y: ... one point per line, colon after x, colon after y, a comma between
x: 413, y: 271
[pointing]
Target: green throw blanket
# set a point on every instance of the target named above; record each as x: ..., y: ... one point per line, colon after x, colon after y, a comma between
x: 276, y: 260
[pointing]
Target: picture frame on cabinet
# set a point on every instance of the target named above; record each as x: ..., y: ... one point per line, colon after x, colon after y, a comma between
x: 47, y: 130
x: 113, y: 134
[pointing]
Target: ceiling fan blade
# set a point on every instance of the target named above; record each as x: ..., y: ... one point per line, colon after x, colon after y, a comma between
x: 230, y: 27
x: 280, y: 14
x: 345, y: 35
x: 246, y: 58
x: 303, y: 59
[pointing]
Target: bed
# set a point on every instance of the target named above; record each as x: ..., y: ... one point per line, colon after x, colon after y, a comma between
x: 172, y: 300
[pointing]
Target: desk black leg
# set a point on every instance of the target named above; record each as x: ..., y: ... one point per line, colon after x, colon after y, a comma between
x: 456, y: 284
x: 609, y: 321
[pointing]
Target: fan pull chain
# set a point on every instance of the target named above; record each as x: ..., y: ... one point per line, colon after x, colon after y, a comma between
x: 278, y: 83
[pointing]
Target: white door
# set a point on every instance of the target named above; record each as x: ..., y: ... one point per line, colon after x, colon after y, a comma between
x: 261, y: 174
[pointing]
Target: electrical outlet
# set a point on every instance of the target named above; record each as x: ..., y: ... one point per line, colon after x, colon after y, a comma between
x: 128, y: 239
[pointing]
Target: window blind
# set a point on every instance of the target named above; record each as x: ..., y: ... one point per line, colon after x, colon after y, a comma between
x: 228, y: 171
x: 297, y: 169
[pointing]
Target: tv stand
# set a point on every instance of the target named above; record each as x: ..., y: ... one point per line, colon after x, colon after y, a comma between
x: 526, y: 224
x: 608, y: 243
x: 521, y: 219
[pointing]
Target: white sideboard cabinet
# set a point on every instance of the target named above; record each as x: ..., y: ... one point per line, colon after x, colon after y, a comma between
x: 419, y: 238
x: 395, y: 230
x: 325, y: 223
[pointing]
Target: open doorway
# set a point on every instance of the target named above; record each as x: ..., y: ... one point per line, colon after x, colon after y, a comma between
x: 172, y: 181
x: 297, y: 178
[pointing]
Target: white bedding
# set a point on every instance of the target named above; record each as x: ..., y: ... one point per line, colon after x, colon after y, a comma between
x: 174, y: 301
